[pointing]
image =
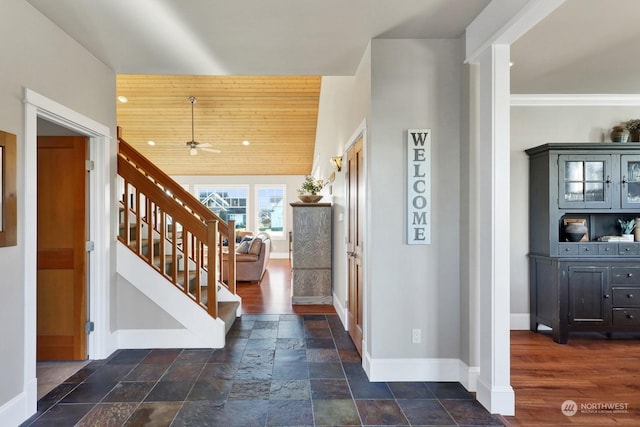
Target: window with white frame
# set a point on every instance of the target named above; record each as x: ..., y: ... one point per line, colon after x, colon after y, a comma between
x: 270, y: 209
x: 229, y: 203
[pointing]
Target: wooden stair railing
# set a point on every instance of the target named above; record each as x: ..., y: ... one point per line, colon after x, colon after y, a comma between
x: 172, y: 231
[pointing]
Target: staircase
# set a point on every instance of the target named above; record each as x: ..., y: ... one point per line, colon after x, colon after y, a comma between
x: 174, y: 248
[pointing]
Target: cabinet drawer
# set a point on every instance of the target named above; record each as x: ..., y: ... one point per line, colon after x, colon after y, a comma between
x: 626, y: 316
x: 625, y: 275
x: 626, y: 297
x: 568, y: 249
x: 608, y: 249
x: 628, y: 249
x: 588, y: 249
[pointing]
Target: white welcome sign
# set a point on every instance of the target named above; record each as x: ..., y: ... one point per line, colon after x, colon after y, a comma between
x: 419, y: 186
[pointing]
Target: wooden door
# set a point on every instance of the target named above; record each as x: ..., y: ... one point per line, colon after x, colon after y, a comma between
x: 61, y: 264
x: 355, y: 209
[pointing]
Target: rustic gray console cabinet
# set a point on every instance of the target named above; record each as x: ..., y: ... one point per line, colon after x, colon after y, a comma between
x: 591, y: 284
x: 311, y: 254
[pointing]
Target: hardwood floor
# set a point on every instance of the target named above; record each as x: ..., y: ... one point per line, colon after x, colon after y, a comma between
x: 273, y: 294
x: 591, y: 370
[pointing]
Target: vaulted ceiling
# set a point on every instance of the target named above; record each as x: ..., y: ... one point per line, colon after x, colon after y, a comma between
x: 277, y: 116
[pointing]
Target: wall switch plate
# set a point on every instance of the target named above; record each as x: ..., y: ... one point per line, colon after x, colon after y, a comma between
x: 416, y: 336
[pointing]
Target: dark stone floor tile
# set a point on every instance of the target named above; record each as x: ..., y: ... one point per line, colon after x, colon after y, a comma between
x: 261, y: 344
x: 290, y: 344
x: 343, y: 342
x: 325, y: 370
x: 183, y: 372
x: 349, y: 356
x: 129, y: 392
x: 265, y: 324
x: 110, y: 373
x: 291, y: 318
x: 330, y: 389
x: 425, y: 412
x: 194, y: 356
x: 338, y: 412
x: 263, y: 334
x: 63, y: 415
x: 380, y: 412
x: 55, y: 395
x: 201, y: 413
x: 255, y: 372
x: 235, y: 344
x: 469, y: 412
x: 147, y: 372
x: 411, y: 390
x: 319, y: 343
x: 290, y: 390
x: 239, y: 333
x: 220, y: 371
x: 89, y: 392
x: 290, y: 370
x: 81, y: 375
x: 258, y: 357
x: 306, y: 317
x: 449, y: 390
x: 210, y: 390
x: 241, y: 413
x: 153, y: 414
x: 318, y: 333
x: 283, y: 355
x: 128, y: 357
x: 290, y: 413
x: 316, y: 324
x: 322, y: 355
x: 108, y: 415
x: 262, y: 317
x: 226, y: 355
x: 364, y: 389
x: 354, y: 371
x: 166, y: 356
x: 250, y: 390
x: 167, y: 391
x: 290, y: 330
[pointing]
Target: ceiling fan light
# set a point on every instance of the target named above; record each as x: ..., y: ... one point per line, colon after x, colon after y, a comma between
x: 245, y: 142
x: 193, y: 151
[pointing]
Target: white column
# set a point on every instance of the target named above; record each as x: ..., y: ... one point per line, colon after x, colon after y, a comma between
x: 493, y: 388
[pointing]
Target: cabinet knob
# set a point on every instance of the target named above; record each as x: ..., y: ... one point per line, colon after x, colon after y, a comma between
x: 567, y: 249
x: 630, y: 296
x: 629, y: 274
x: 607, y: 249
x: 606, y: 296
x: 630, y: 316
x: 627, y: 249
x: 624, y: 179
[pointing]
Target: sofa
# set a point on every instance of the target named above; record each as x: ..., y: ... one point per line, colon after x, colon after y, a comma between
x: 252, y: 259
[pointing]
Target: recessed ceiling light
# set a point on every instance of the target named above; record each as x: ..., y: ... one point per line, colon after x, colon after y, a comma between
x: 511, y: 63
x: 151, y: 142
x: 123, y: 99
x: 245, y: 142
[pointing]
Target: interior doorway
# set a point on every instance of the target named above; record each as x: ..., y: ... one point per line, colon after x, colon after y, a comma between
x: 355, y: 233
x: 61, y: 248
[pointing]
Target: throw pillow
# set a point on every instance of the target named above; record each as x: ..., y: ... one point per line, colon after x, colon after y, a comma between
x: 243, y: 248
x: 254, y: 249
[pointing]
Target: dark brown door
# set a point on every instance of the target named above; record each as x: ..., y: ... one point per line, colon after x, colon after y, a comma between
x: 355, y: 201
x: 61, y: 230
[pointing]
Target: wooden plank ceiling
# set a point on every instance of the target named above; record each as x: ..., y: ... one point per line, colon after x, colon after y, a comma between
x: 276, y: 114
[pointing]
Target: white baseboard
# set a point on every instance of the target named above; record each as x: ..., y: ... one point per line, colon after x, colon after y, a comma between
x: 279, y: 255
x: 419, y: 370
x: 497, y: 400
x: 341, y: 311
x: 519, y: 322
x: 164, y: 338
x: 469, y: 376
x: 15, y: 411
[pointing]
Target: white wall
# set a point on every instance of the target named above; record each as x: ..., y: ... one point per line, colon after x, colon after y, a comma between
x: 344, y: 107
x: 37, y: 55
x: 530, y: 127
x: 280, y: 245
x: 130, y: 302
x: 414, y: 84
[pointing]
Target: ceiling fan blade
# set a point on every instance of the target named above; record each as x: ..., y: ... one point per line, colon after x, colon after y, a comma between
x: 210, y: 150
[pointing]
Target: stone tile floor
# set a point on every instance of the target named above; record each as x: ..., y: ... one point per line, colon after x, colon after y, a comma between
x: 276, y: 370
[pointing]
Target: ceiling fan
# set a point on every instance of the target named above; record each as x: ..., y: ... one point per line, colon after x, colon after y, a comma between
x: 193, y: 145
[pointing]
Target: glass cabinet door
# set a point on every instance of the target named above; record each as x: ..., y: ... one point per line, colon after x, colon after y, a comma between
x: 630, y: 181
x: 584, y: 181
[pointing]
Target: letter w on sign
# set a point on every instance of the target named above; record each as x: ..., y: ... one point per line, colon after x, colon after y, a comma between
x: 419, y: 186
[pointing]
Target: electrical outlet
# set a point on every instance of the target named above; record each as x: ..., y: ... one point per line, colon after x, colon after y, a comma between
x: 415, y: 336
